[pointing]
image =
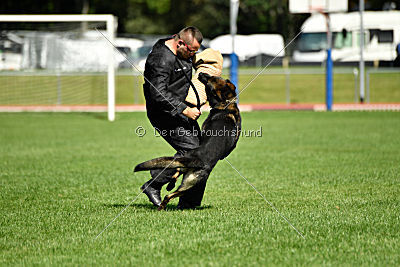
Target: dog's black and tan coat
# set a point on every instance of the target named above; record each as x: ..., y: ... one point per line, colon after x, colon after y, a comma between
x: 220, y: 133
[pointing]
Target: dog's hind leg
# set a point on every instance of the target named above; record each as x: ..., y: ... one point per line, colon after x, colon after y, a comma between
x: 189, y: 180
x: 168, y: 198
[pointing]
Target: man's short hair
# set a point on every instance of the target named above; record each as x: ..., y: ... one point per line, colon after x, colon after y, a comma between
x: 187, y: 34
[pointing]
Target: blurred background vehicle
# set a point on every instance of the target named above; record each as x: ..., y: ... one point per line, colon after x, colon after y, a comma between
x: 252, y: 50
x: 381, y: 36
x: 138, y: 56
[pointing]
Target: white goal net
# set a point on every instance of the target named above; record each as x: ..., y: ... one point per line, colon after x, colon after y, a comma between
x: 57, y: 61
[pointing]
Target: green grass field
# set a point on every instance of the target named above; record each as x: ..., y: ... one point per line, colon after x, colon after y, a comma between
x: 45, y: 90
x: 335, y: 176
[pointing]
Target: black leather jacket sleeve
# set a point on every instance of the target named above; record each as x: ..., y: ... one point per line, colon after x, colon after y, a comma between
x: 158, y: 70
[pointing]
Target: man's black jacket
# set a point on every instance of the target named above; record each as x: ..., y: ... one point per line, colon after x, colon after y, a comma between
x: 165, y: 87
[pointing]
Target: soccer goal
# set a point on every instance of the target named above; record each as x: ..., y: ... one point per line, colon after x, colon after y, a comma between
x: 58, y: 63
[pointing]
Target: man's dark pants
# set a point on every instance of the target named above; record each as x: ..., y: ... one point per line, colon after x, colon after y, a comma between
x: 183, y: 135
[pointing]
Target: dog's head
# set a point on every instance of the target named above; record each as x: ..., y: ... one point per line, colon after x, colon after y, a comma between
x: 218, y: 89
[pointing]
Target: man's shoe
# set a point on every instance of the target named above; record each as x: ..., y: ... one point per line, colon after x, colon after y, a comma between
x: 153, y: 194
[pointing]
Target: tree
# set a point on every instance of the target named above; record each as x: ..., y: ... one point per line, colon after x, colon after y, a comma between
x: 169, y: 16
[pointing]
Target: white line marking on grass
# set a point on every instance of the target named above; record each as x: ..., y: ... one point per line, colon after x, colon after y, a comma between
x: 132, y: 201
x: 267, y: 200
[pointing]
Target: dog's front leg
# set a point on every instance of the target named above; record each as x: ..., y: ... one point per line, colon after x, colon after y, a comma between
x: 171, y: 184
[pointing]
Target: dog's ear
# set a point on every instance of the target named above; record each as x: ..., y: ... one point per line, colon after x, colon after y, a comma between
x: 230, y: 84
x: 232, y: 87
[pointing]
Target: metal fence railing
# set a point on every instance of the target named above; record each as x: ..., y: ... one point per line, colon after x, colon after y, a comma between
x: 345, y: 79
x: 275, y: 85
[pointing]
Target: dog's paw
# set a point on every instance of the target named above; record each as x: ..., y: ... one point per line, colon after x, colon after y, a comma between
x: 171, y: 185
x: 162, y: 206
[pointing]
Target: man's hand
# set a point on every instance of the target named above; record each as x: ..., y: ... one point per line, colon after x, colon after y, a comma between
x: 191, y: 113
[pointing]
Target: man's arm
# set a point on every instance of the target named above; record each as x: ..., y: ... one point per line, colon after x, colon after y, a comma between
x: 158, y: 70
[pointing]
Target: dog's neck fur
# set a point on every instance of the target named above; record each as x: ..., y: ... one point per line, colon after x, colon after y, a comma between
x: 227, y: 104
x: 230, y: 106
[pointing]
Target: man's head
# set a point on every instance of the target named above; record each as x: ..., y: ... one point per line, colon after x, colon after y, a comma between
x: 189, y: 40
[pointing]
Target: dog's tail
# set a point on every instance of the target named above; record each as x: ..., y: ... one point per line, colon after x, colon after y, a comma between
x: 169, y: 163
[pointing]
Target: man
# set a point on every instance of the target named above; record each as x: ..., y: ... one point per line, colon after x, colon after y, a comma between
x: 165, y: 90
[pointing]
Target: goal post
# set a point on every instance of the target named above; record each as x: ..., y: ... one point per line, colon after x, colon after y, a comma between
x: 111, y: 25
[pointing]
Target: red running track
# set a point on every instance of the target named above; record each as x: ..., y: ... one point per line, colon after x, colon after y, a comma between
x: 242, y: 107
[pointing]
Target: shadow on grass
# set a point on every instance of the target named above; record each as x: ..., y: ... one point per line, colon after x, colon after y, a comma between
x: 148, y: 206
x: 96, y: 115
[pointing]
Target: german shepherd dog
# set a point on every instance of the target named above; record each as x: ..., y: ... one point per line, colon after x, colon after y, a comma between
x: 219, y: 135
